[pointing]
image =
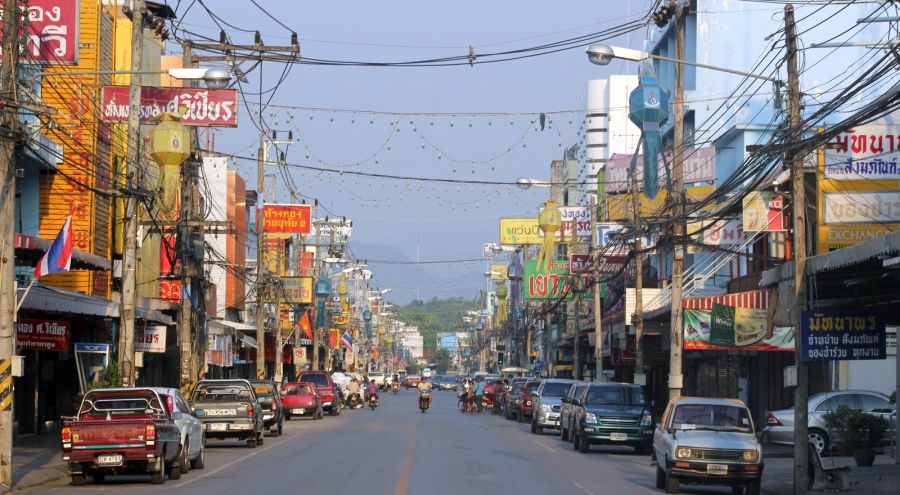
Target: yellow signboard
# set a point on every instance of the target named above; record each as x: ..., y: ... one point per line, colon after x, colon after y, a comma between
x: 520, y: 231
x: 297, y: 290
x: 499, y: 272
x: 619, y: 206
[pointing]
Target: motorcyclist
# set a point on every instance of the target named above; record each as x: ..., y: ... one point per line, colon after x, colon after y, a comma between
x: 353, y: 390
x: 425, y: 385
x: 372, y: 390
x: 479, y: 392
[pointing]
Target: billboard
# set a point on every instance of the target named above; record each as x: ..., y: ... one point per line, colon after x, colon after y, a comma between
x: 520, y: 231
x: 499, y: 272
x: 733, y: 329
x: 699, y: 166
x: 297, y: 290
x: 205, y: 107
x: 838, y: 335
x: 286, y: 219
x: 726, y: 233
x: 553, y: 285
x: 619, y: 206
x: 763, y: 212
x: 52, y: 31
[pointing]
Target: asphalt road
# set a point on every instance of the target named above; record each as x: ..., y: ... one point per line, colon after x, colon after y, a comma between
x: 396, y: 449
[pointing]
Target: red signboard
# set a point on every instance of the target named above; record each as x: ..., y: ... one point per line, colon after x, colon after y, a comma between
x: 287, y: 219
x: 205, y: 107
x: 170, y: 290
x: 52, y: 27
x: 42, y: 335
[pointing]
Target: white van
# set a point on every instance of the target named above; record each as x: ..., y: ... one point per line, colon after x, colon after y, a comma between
x: 427, y: 373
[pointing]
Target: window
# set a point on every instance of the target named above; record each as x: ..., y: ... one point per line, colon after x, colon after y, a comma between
x: 875, y: 404
x: 832, y: 403
x: 711, y: 417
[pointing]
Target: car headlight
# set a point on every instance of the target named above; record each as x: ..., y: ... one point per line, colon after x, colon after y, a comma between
x: 750, y: 455
x: 646, y: 420
x: 527, y: 402
x: 545, y: 407
x: 590, y: 418
x: 683, y: 453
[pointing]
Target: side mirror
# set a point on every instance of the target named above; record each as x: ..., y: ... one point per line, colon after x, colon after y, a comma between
x: 576, y: 402
x: 176, y: 416
x: 566, y: 400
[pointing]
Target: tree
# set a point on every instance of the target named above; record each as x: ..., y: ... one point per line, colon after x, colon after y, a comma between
x: 443, y: 360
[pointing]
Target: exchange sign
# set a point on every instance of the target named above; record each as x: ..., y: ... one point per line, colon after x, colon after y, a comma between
x: 838, y: 335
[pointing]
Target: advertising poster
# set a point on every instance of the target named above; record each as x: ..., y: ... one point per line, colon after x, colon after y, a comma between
x: 736, y: 329
x: 763, y: 212
x: 838, y: 335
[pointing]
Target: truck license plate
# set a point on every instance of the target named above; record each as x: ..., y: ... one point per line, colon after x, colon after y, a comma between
x: 619, y: 437
x: 298, y: 411
x: 109, y: 459
x: 717, y: 469
x: 218, y: 426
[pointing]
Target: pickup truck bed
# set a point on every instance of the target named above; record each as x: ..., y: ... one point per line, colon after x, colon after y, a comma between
x: 228, y: 409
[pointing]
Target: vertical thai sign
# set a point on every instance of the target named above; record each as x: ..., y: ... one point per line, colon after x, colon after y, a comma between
x: 52, y: 31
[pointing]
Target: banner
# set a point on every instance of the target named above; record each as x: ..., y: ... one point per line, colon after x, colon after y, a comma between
x: 763, y: 212
x: 726, y: 328
x: 556, y: 284
x: 52, y: 31
x: 150, y: 339
x: 838, y: 335
x: 286, y: 219
x: 205, y: 107
x: 42, y: 335
x: 297, y: 290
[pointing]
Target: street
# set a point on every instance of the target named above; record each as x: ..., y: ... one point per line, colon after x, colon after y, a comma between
x: 396, y: 449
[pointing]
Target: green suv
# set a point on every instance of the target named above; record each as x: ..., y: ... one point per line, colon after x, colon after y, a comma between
x: 612, y: 413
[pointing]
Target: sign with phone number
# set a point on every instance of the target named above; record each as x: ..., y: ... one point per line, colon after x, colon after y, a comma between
x: 838, y: 335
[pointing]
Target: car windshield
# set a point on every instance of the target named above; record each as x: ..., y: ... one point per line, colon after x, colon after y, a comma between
x: 711, y: 417
x: 555, y: 389
x: 320, y: 380
x: 614, y: 396
x: 532, y: 386
x: 299, y: 390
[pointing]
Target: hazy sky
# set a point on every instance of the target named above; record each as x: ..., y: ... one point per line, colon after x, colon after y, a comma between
x: 440, y: 221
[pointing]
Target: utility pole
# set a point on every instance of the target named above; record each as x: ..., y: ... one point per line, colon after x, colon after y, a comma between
x: 598, y: 305
x: 261, y: 276
x: 676, y: 379
x: 10, y: 127
x: 638, y: 320
x: 130, y: 219
x: 798, y: 193
x: 186, y: 254
x: 317, y: 272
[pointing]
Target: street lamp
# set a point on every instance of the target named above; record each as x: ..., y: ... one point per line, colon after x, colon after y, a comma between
x: 214, y: 77
x: 604, y: 54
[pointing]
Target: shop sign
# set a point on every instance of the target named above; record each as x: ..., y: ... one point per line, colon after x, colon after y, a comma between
x: 42, y: 335
x: 205, y: 107
x: 296, y: 290
x: 52, y: 31
x: 150, y: 339
x: 499, y: 272
x: 579, y: 263
x: 838, y: 335
x: 718, y: 233
x: 170, y: 290
x: 286, y: 219
x: 727, y: 328
x: 620, y: 205
x: 763, y: 212
x: 555, y: 284
x: 862, y: 207
x: 699, y: 166
x: 520, y: 231
x: 577, y: 217
x: 868, y: 152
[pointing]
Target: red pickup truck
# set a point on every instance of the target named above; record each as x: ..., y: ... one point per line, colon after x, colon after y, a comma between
x: 121, y: 431
x: 325, y: 385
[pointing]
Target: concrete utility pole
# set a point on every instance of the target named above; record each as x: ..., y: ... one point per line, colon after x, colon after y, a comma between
x: 317, y: 269
x: 10, y: 124
x: 130, y: 219
x: 639, y: 377
x: 798, y: 193
x: 261, y: 276
x: 598, y: 304
x: 676, y: 379
x: 186, y: 310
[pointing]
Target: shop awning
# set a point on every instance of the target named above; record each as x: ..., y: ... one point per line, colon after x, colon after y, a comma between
x: 53, y: 299
x: 246, y: 339
x: 29, y: 249
x: 225, y: 327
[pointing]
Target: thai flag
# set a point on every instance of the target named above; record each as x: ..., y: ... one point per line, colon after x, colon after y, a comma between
x: 59, y: 257
x: 347, y: 341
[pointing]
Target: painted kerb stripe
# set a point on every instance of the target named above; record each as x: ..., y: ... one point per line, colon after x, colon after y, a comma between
x: 6, y: 388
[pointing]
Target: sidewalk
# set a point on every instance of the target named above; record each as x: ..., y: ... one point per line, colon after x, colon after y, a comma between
x: 36, y: 460
x: 883, y: 477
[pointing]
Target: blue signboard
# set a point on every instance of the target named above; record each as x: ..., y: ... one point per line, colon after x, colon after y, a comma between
x: 838, y: 335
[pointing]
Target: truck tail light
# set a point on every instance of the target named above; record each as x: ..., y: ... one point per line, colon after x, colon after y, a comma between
x: 170, y: 404
x: 771, y: 420
x: 150, y: 435
x: 249, y: 411
x: 66, y: 436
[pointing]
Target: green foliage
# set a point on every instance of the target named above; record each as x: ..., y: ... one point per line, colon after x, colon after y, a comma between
x: 435, y: 316
x: 894, y: 397
x: 443, y: 361
x: 855, y: 427
x: 107, y: 378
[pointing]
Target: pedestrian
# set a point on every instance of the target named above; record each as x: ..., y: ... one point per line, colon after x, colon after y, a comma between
x: 478, y: 391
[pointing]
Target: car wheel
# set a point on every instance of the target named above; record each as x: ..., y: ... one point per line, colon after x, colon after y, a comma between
x: 183, y: 460
x: 78, y: 480
x: 287, y: 417
x: 563, y: 434
x: 575, y: 444
x: 261, y: 438
x: 671, y: 483
x: 251, y: 442
x: 200, y: 461
x: 175, y: 468
x: 99, y: 476
x: 334, y: 411
x: 819, y: 439
x: 584, y: 445
x: 737, y: 490
x: 753, y: 488
x: 157, y: 478
x: 520, y: 416
x: 660, y: 478
x: 280, y: 428
x: 642, y: 449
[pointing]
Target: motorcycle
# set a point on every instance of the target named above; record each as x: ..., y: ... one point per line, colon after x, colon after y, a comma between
x: 424, y: 399
x: 486, y: 403
x: 373, y: 402
x: 355, y: 401
x: 395, y: 387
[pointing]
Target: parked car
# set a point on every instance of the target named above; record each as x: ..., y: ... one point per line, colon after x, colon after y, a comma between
x: 193, y: 437
x: 547, y: 401
x: 445, y: 382
x: 331, y: 401
x: 612, y: 413
x: 514, y: 398
x: 229, y: 409
x: 122, y: 431
x: 270, y: 402
x: 380, y: 379
x: 707, y: 441
x: 567, y: 409
x: 526, y: 410
x: 780, y: 424
x: 301, y: 399
x: 411, y: 381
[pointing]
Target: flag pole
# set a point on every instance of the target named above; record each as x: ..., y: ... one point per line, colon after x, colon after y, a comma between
x: 22, y: 299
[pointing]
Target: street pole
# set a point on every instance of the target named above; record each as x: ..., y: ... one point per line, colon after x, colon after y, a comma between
x: 598, y: 305
x: 676, y: 379
x: 130, y: 218
x: 261, y: 279
x: 186, y: 312
x: 638, y: 320
x: 10, y: 121
x: 798, y: 193
x: 317, y: 273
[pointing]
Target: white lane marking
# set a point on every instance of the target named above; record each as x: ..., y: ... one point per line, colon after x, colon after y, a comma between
x: 580, y: 487
x: 551, y: 449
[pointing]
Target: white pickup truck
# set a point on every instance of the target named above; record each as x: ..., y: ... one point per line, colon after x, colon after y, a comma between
x: 707, y: 441
x: 379, y: 378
